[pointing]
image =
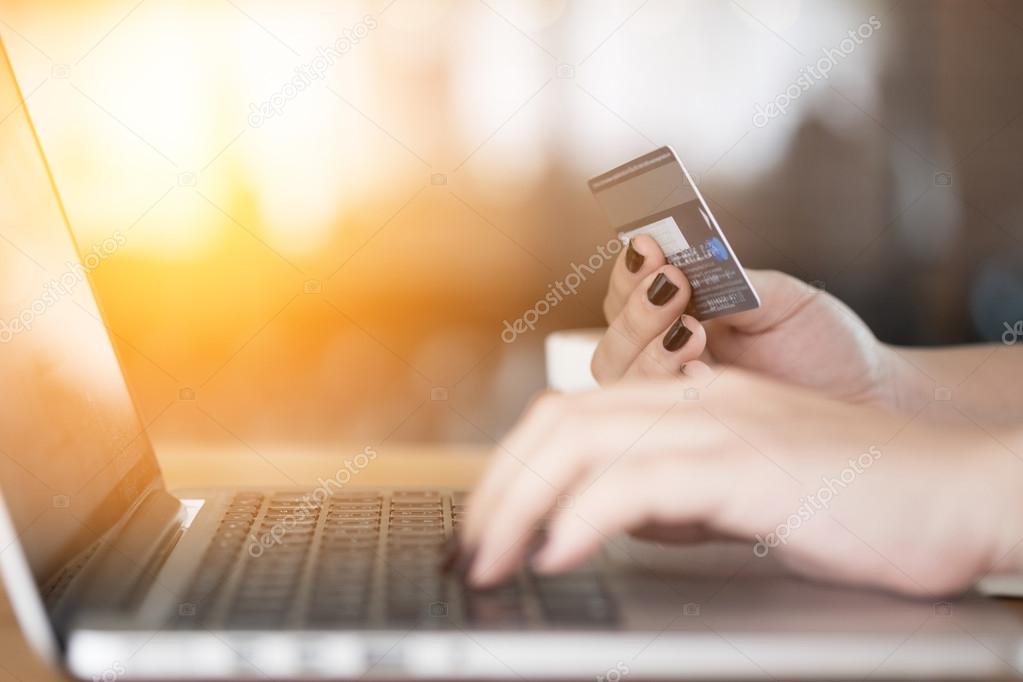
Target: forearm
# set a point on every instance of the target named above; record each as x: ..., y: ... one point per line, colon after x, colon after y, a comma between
x: 978, y: 390
x: 984, y: 382
x: 1002, y: 471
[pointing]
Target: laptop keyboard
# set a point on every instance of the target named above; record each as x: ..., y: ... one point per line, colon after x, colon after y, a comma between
x: 367, y: 560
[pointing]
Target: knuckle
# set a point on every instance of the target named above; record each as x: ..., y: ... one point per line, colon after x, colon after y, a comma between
x: 651, y: 363
x: 571, y: 435
x: 548, y: 404
x: 629, y: 322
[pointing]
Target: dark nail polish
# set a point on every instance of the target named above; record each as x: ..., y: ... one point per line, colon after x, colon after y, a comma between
x: 661, y: 291
x: 633, y: 259
x: 677, y: 336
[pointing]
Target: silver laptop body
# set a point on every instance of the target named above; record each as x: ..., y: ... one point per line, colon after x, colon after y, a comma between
x: 112, y: 576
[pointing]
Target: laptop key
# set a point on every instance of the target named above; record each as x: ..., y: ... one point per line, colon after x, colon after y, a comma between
x: 415, y: 590
x: 429, y: 506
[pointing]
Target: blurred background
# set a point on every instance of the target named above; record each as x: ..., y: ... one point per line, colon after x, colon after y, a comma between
x: 329, y: 209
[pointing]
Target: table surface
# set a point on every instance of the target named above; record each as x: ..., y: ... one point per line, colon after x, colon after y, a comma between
x: 196, y: 467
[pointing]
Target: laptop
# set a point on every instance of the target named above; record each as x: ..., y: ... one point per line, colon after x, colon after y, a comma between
x: 113, y: 576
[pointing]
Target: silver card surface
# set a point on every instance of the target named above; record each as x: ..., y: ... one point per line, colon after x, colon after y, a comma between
x: 655, y: 195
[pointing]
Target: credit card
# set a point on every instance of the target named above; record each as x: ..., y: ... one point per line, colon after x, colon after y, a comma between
x: 655, y: 195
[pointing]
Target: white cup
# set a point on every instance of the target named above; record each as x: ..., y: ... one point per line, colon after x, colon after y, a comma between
x: 567, y: 355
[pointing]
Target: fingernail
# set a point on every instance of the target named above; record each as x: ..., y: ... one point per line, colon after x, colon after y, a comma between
x: 661, y: 291
x: 633, y: 259
x: 677, y: 336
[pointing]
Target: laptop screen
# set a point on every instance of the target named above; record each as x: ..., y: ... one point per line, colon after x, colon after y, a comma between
x: 73, y: 454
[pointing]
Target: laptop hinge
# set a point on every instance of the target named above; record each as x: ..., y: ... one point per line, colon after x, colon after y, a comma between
x: 111, y: 581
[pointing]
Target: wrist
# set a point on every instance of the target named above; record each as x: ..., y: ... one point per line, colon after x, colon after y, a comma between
x: 1005, y: 475
x: 905, y: 388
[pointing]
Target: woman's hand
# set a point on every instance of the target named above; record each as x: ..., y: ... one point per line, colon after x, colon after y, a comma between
x: 648, y: 335
x: 845, y: 492
x: 800, y: 335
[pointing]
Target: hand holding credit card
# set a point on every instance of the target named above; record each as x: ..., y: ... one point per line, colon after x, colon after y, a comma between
x: 655, y: 195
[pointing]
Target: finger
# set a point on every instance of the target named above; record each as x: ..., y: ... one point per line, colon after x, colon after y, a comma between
x: 676, y: 489
x: 561, y: 431
x: 686, y: 533
x: 658, y: 301
x: 526, y: 499
x: 540, y: 416
x: 698, y: 372
x: 590, y: 429
x: 683, y: 342
x: 642, y: 257
x: 782, y: 297
x: 548, y: 415
x: 674, y: 533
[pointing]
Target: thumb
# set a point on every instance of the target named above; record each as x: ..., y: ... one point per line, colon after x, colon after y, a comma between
x: 781, y: 297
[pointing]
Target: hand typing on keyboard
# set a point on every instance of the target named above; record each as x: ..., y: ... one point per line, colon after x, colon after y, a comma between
x: 849, y: 492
